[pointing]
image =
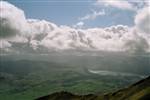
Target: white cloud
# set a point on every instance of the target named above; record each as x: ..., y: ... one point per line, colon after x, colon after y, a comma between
x: 12, y: 20
x: 142, y: 20
x: 93, y: 15
x: 138, y: 44
x: 4, y: 44
x: 140, y: 3
x: 79, y: 25
x: 40, y: 26
x: 121, y: 4
x: 18, y: 38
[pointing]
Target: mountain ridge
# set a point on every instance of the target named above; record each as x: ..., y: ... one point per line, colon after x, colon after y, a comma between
x: 137, y: 91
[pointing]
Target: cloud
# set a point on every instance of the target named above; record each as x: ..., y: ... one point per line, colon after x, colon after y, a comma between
x: 140, y: 3
x: 121, y: 4
x: 32, y: 35
x: 113, y: 73
x: 137, y: 45
x: 12, y: 20
x: 142, y: 20
x: 4, y: 44
x: 79, y: 25
x: 40, y: 26
x: 93, y: 15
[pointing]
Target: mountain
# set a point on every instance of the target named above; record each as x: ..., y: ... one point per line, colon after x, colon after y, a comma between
x: 137, y: 91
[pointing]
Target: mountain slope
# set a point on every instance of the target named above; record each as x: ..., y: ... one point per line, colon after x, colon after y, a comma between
x: 137, y: 91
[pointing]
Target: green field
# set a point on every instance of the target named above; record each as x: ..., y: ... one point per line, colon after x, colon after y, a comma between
x: 27, y: 80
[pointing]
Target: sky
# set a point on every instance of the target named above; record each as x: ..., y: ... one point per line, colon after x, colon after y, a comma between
x: 71, y: 12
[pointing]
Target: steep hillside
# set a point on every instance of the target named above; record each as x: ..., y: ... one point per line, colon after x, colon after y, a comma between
x: 137, y: 91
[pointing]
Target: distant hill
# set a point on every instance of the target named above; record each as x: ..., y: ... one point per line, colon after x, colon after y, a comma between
x: 137, y: 91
